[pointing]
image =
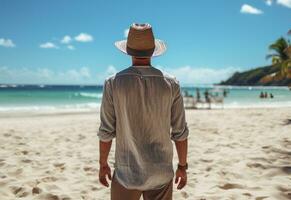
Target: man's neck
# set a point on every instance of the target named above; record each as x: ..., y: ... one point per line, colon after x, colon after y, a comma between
x: 141, y: 61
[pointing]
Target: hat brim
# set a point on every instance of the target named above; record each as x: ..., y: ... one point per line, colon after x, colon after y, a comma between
x: 160, y: 47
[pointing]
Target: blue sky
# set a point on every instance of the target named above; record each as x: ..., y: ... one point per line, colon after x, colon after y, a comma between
x: 71, y: 42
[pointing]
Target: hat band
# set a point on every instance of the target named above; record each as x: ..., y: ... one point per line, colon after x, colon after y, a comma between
x: 140, y: 53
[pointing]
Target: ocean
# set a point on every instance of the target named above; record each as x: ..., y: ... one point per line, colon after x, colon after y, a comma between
x: 55, y: 98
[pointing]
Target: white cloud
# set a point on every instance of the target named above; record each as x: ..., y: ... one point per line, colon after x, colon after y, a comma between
x: 84, y: 37
x: 248, y: 9
x: 126, y: 31
x: 6, y: 42
x: 71, y: 47
x: 286, y: 3
x: 45, y: 76
x: 66, y: 39
x: 106, y: 73
x: 111, y: 70
x: 202, y: 75
x: 48, y: 45
x: 85, y: 72
x: 269, y: 2
x: 187, y: 75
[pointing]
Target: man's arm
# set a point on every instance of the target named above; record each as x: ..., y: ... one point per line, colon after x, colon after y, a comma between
x: 106, y: 132
x: 182, y: 148
x: 104, y: 149
x: 179, y: 135
x: 181, y: 174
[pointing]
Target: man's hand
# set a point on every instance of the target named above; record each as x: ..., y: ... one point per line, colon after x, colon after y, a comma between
x: 103, y: 171
x: 181, y: 174
x: 181, y: 178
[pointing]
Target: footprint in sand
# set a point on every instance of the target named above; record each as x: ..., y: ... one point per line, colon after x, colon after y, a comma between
x: 49, y: 179
x: 266, y: 147
x: 206, y: 160
x: 26, y: 161
x: 261, y: 198
x: 36, y: 190
x: 49, y: 197
x: 184, y: 195
x: 7, y: 134
x: 2, y: 176
x: 19, y: 191
x: 16, y: 172
x: 247, y: 194
x: 2, y: 162
x: 24, y: 152
x: 286, y: 192
x: 256, y: 165
x: 286, y: 169
x: 60, y: 166
x: 88, y: 168
x: 17, y: 137
x: 286, y: 143
x: 229, y: 186
x: 81, y: 137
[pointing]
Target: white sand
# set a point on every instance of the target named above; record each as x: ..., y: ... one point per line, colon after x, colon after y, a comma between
x: 233, y: 154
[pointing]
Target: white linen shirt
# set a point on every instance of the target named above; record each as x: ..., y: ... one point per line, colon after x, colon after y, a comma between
x: 142, y: 107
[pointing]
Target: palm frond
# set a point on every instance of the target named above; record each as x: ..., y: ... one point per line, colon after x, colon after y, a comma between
x: 279, y: 47
x: 286, y: 67
x: 276, y: 60
x: 272, y: 55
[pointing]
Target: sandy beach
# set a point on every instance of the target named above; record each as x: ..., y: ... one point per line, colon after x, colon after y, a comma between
x: 233, y: 154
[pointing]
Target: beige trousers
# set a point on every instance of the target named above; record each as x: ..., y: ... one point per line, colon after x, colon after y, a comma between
x: 119, y: 192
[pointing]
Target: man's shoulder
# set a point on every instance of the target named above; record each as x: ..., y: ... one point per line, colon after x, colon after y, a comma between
x: 169, y: 76
x: 113, y: 76
x: 160, y: 72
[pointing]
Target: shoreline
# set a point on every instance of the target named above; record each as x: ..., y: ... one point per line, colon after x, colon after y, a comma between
x: 11, y: 114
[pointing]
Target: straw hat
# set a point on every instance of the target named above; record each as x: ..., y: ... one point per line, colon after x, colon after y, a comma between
x: 141, y: 42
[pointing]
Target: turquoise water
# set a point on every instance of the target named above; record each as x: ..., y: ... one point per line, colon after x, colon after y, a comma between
x: 41, y: 97
x: 75, y: 98
x: 248, y: 97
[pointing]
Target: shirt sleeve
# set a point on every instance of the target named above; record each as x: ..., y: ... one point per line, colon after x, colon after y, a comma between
x: 107, y: 127
x: 179, y: 126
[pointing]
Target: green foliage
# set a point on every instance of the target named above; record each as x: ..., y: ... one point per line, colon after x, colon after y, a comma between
x: 253, y: 77
x: 279, y: 47
x: 276, y: 74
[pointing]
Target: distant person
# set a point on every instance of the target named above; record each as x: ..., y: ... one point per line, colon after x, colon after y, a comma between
x: 198, y: 97
x: 266, y: 95
x: 262, y: 95
x: 271, y: 96
x: 142, y: 108
x: 207, y: 98
x: 206, y: 95
x: 186, y: 94
x: 224, y: 93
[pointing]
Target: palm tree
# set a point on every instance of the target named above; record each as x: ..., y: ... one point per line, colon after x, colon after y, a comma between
x: 281, y: 55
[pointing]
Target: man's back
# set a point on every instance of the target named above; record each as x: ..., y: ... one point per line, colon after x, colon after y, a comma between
x: 140, y: 106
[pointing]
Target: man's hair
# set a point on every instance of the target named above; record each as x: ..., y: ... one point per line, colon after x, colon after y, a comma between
x: 142, y: 58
